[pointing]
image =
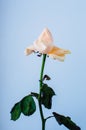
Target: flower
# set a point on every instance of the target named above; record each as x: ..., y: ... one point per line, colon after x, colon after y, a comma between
x: 44, y: 45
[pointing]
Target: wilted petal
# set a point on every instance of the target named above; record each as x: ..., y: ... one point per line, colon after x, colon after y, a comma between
x: 29, y: 50
x: 58, y: 53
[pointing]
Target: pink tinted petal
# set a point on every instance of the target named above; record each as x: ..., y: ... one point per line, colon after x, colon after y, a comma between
x: 41, y: 47
x: 44, y: 42
x: 46, y: 37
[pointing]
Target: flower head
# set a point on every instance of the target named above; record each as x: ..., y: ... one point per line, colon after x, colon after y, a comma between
x: 44, y: 45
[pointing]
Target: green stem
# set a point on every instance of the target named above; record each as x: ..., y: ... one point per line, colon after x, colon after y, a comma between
x: 41, y: 78
x: 49, y: 117
x: 42, y: 69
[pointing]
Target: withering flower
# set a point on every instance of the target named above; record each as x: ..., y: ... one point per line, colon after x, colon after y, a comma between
x: 44, y: 45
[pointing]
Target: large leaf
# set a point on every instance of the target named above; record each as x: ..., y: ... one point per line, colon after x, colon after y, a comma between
x: 28, y: 106
x: 66, y: 121
x: 16, y: 111
x: 46, y: 96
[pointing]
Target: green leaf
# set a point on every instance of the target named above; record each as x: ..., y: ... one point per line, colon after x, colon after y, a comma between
x: 16, y: 111
x: 66, y: 121
x: 34, y: 95
x: 28, y: 106
x: 46, y: 96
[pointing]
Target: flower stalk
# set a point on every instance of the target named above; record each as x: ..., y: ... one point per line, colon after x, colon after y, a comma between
x: 40, y: 90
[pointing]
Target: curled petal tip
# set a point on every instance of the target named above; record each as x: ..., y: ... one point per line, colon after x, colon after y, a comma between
x: 27, y: 51
x: 69, y: 51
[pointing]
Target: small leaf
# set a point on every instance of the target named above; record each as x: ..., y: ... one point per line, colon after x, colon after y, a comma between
x: 16, y: 111
x: 34, y: 94
x: 39, y: 55
x: 66, y: 121
x: 28, y: 106
x: 46, y: 77
x: 46, y: 96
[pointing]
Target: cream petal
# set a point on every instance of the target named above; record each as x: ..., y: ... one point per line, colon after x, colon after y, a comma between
x: 29, y: 50
x: 39, y: 46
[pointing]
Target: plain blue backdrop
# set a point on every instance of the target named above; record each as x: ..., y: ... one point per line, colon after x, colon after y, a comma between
x: 21, y: 22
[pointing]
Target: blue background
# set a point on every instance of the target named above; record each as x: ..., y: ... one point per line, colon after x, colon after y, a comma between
x: 21, y: 22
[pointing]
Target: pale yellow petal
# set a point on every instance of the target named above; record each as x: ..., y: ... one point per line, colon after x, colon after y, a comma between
x: 58, y: 53
x: 56, y: 57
